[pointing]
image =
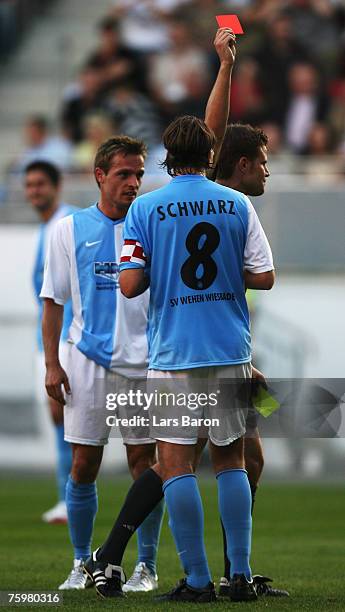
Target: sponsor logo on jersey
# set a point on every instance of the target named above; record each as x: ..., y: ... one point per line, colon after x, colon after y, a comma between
x: 108, y: 270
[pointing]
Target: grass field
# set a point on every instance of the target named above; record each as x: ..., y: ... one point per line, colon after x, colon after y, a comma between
x: 299, y: 539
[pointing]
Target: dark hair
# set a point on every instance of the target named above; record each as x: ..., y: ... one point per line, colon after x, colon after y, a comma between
x: 117, y: 144
x: 188, y: 142
x: 51, y: 171
x: 239, y: 141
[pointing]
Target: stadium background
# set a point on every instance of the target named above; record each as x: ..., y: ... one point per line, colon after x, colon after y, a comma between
x: 89, y: 68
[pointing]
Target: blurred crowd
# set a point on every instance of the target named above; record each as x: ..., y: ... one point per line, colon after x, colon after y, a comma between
x: 155, y: 60
x: 15, y: 17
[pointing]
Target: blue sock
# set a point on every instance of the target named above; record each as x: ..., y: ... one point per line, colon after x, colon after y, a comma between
x: 81, y: 500
x: 148, y: 537
x: 64, y: 461
x: 234, y: 500
x: 186, y: 521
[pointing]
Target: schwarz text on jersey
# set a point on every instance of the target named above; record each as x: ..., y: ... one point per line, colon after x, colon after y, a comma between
x: 196, y: 208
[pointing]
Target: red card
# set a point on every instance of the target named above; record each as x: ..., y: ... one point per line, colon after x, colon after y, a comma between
x: 230, y: 21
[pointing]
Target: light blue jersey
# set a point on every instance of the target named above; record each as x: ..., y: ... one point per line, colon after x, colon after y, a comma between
x: 37, y: 275
x: 83, y: 263
x: 196, y: 237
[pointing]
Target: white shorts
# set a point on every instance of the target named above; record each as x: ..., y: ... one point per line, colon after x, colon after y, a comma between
x: 211, y: 402
x: 86, y: 414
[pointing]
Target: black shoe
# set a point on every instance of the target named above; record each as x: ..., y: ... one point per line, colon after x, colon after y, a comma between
x: 265, y: 590
x: 184, y: 592
x: 241, y: 589
x: 108, y: 579
x: 224, y: 587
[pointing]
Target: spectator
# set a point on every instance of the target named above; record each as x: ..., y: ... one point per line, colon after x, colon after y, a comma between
x: 40, y: 145
x: 261, y: 11
x: 306, y: 105
x: 319, y: 140
x: 319, y: 164
x: 81, y: 99
x: 277, y: 53
x: 144, y: 23
x: 179, y: 77
x: 247, y: 103
x: 133, y: 113
x: 115, y: 58
x: 97, y: 128
x: 315, y: 27
x: 200, y: 14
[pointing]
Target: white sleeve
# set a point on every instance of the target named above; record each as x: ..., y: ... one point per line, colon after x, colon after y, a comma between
x: 57, y: 268
x: 257, y: 253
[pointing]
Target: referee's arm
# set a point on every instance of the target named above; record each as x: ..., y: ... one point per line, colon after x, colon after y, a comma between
x: 262, y: 280
x: 218, y: 105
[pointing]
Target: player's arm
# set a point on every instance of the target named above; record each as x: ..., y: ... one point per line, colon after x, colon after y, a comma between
x: 133, y: 282
x: 51, y: 330
x: 134, y: 264
x: 56, y: 291
x: 263, y: 280
x: 218, y: 105
x: 258, y: 270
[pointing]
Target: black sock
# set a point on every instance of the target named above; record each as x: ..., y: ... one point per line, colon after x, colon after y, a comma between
x: 226, y: 560
x: 142, y: 498
x: 253, y: 491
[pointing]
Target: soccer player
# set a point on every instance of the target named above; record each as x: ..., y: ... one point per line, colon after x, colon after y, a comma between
x: 196, y: 228
x: 107, y: 345
x: 242, y: 165
x: 43, y: 191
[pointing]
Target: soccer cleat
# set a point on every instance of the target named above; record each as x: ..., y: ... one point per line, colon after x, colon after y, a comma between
x: 241, y: 589
x: 224, y: 587
x: 142, y: 580
x: 76, y: 579
x: 108, y: 579
x: 184, y: 592
x: 265, y: 590
x: 56, y: 515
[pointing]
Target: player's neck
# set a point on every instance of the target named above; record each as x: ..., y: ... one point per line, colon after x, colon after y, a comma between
x: 113, y: 211
x: 232, y: 182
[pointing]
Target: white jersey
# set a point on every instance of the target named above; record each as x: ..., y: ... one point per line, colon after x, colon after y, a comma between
x: 37, y: 275
x: 83, y: 264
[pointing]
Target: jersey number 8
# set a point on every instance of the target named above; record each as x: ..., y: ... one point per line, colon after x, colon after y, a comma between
x: 199, y: 271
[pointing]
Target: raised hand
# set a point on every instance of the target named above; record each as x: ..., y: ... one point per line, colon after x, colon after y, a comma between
x: 225, y: 44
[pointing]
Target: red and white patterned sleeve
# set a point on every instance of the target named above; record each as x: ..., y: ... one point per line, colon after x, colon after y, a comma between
x: 132, y: 253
